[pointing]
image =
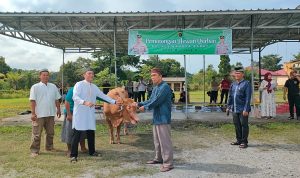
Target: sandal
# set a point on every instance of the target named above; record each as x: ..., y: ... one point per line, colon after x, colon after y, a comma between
x: 243, y: 145
x: 234, y: 143
x: 165, y: 169
x: 154, y: 162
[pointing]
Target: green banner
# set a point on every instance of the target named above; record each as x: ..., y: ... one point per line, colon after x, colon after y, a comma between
x: 194, y: 41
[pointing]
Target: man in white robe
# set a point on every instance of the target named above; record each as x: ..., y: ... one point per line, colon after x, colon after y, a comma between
x: 84, y: 96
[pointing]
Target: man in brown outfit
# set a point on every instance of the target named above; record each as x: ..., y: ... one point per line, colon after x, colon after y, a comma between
x: 44, y: 98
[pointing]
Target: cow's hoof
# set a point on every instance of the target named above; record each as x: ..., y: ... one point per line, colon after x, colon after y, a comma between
x: 112, y: 142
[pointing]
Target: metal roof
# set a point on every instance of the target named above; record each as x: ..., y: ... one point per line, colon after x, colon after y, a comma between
x: 89, y: 31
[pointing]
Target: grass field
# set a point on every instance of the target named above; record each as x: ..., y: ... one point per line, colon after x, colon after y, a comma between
x: 198, y: 96
x: 126, y: 159
x: 11, y: 107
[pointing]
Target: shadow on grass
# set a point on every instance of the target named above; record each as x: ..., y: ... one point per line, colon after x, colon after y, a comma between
x: 143, y: 141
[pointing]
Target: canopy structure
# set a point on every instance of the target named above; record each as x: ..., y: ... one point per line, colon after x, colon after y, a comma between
x: 87, y: 32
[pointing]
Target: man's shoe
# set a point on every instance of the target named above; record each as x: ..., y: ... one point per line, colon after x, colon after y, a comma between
x: 154, y: 162
x: 243, y: 145
x: 95, y: 154
x: 290, y: 118
x: 73, y: 160
x: 33, y: 155
x: 234, y: 143
x: 165, y: 169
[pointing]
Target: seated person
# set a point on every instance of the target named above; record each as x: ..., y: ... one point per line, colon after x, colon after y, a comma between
x: 173, y: 97
x: 182, y: 97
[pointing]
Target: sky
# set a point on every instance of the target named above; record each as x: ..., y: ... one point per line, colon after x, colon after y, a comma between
x: 25, y: 55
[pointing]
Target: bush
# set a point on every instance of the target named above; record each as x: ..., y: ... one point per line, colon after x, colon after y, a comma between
x: 7, y: 94
x: 4, y: 85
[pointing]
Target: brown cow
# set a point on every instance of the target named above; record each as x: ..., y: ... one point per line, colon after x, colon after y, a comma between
x: 116, y: 115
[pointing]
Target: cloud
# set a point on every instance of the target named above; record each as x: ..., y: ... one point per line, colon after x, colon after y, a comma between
x: 140, y: 5
x: 25, y: 55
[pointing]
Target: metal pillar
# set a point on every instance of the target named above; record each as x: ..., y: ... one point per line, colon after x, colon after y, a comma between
x: 252, y: 71
x: 204, y: 77
x: 259, y: 73
x: 185, y: 88
x: 115, y: 51
x: 62, y: 73
x: 185, y: 76
x: 259, y: 63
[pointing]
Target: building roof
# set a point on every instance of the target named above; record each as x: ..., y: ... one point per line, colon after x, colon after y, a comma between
x: 173, y: 79
x: 90, y: 31
x: 281, y: 72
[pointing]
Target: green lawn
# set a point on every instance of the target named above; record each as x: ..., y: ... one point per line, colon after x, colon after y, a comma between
x: 11, y: 107
x: 116, y: 159
x: 198, y: 96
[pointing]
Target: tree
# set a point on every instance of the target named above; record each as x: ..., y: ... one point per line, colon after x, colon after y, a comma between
x: 210, y: 72
x: 236, y: 64
x: 29, y: 77
x: 297, y: 56
x: 4, y: 85
x: 271, y: 62
x: 83, y: 63
x: 196, y: 82
x: 104, y: 75
x: 145, y: 72
x: 2, y: 76
x: 105, y: 59
x: 72, y: 71
x: 224, y: 66
x: 4, y: 68
x: 169, y: 67
x: 13, y: 78
x: 172, y: 68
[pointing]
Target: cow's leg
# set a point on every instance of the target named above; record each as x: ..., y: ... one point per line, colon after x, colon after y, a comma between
x: 125, y: 129
x: 111, y: 132
x: 118, y: 133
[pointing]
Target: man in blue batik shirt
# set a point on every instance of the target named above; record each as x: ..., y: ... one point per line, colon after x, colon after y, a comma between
x: 161, y: 102
x: 239, y: 102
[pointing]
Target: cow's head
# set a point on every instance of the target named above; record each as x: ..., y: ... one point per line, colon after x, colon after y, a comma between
x: 118, y: 92
x: 129, y: 111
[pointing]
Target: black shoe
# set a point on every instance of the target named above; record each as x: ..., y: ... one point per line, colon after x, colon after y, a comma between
x: 73, y: 159
x: 95, y: 154
x: 234, y: 143
x: 290, y: 118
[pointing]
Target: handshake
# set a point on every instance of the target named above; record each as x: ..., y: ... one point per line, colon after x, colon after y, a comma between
x: 135, y: 104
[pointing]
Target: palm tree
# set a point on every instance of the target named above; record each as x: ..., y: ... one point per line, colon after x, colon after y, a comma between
x: 13, y: 78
